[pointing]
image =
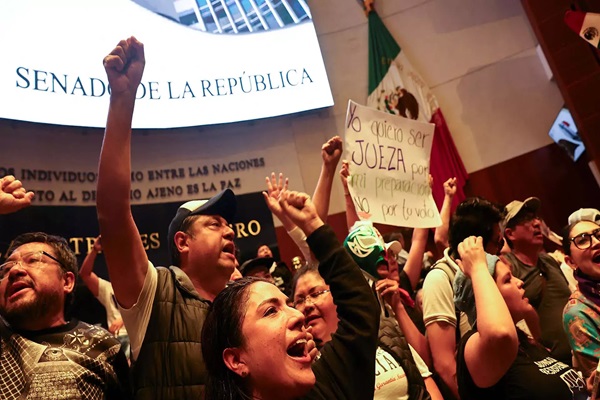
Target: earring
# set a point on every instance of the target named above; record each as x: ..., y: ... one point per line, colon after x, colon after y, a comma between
x: 244, y: 374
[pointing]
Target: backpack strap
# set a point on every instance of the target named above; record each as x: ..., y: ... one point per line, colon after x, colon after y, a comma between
x: 443, y: 265
x: 450, y: 273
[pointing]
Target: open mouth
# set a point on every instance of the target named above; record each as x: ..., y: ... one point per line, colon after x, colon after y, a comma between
x: 297, y: 349
x: 229, y: 248
x: 17, y: 287
x: 596, y: 259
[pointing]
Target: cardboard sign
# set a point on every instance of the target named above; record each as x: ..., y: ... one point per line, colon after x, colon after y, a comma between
x: 388, y: 158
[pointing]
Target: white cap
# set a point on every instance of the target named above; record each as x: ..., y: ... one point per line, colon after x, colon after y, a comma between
x: 394, y: 245
x: 584, y: 214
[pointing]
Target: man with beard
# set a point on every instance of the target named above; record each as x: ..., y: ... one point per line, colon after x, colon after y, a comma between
x: 44, y: 355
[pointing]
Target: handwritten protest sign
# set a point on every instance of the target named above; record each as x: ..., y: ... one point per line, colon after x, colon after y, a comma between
x: 389, y: 167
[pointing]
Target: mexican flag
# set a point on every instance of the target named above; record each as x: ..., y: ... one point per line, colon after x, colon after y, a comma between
x: 586, y: 25
x: 396, y: 87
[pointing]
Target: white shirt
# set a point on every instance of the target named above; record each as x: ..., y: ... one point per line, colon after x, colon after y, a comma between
x: 106, y: 296
x: 137, y: 317
x: 390, y: 378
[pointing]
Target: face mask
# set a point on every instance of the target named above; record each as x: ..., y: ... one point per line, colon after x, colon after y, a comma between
x: 366, y: 246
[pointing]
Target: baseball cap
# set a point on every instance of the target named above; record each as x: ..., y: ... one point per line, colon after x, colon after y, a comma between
x: 253, y: 263
x: 515, y: 206
x: 223, y: 204
x: 394, y: 245
x: 584, y: 214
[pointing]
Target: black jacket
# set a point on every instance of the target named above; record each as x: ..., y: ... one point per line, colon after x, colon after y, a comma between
x: 346, y: 368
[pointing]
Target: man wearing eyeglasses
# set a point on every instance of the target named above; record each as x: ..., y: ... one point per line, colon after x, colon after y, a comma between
x: 44, y: 355
x: 544, y: 283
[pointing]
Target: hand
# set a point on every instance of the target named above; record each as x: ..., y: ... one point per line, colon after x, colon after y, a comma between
x: 274, y: 189
x: 311, y: 346
x: 97, y: 244
x: 344, y: 174
x: 331, y: 152
x: 115, y: 326
x: 13, y: 195
x: 430, y: 181
x: 472, y: 255
x: 589, y: 383
x: 300, y: 210
x: 388, y: 290
x: 125, y: 66
x: 450, y: 187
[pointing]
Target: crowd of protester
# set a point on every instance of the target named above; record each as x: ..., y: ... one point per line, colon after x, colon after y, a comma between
x: 494, y: 317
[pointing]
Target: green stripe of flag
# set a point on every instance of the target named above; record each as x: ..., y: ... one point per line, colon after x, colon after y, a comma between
x: 383, y: 49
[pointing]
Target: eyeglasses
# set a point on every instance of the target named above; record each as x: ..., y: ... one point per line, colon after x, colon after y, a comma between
x: 301, y: 301
x: 584, y: 241
x: 33, y: 259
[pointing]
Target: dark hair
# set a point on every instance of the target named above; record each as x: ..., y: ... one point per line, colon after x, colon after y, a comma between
x: 64, y: 254
x: 566, y: 240
x: 299, y: 273
x: 475, y: 216
x: 223, y: 329
x: 185, y: 226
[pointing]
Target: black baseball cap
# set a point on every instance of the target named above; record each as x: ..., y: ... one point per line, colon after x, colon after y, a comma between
x: 223, y: 204
x: 253, y: 263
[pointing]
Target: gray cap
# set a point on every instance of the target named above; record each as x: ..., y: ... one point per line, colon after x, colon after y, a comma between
x: 514, y: 207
